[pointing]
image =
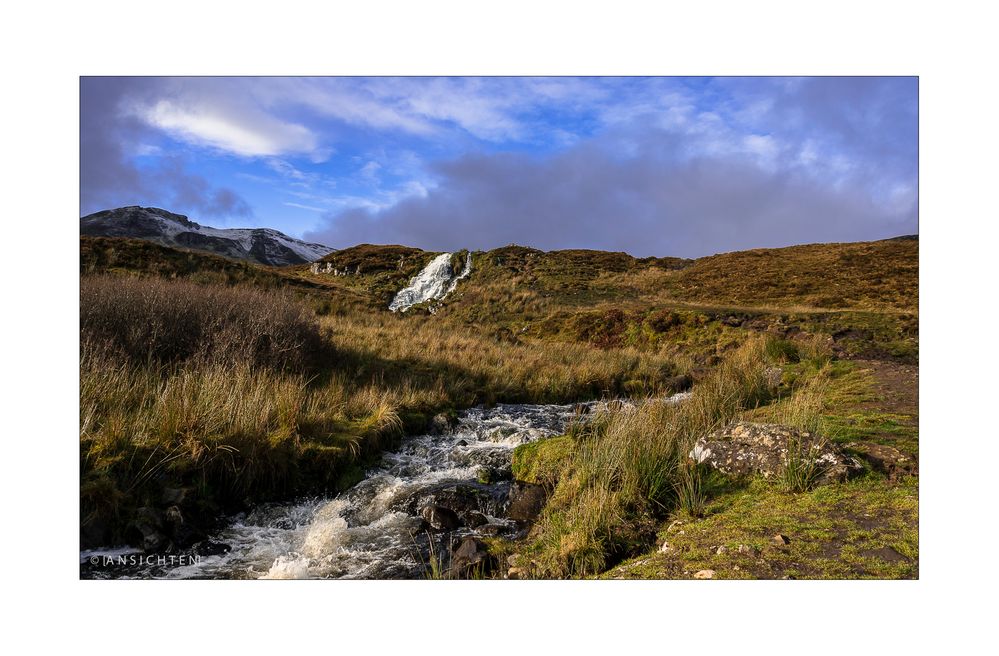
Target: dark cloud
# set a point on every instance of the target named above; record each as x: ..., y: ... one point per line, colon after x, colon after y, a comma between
x: 649, y: 198
x: 110, y: 178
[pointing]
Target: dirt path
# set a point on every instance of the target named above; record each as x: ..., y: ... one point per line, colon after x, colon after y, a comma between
x: 896, y: 388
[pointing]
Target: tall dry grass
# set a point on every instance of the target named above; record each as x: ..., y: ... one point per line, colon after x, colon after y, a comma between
x: 152, y: 320
x: 631, y: 462
x: 242, y: 394
x: 474, y: 368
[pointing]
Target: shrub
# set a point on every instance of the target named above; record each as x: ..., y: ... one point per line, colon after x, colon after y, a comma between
x: 153, y: 320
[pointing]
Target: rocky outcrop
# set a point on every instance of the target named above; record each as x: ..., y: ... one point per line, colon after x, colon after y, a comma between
x: 328, y: 268
x: 746, y: 449
x: 261, y: 245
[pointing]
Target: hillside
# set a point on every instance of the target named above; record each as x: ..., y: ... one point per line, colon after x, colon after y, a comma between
x: 882, y: 275
x: 210, y: 385
x: 260, y: 245
x: 863, y: 296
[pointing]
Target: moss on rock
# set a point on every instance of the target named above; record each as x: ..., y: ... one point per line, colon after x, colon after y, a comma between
x: 541, y: 462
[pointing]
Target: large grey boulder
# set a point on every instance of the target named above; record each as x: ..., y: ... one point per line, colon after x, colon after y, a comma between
x: 747, y: 449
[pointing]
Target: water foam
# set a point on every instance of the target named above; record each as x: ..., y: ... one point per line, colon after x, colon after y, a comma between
x: 434, y: 282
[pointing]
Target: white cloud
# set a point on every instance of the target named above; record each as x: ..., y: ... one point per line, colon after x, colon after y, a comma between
x: 370, y: 171
x: 305, y: 207
x: 343, y: 99
x: 249, y: 133
x: 763, y: 148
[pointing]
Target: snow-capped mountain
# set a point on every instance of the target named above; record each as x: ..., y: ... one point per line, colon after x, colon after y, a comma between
x: 261, y: 245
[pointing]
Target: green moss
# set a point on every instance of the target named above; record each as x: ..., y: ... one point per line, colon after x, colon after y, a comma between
x: 863, y: 529
x: 414, y: 422
x: 541, y: 462
x: 894, y: 430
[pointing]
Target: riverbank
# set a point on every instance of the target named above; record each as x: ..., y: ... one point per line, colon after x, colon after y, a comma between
x: 727, y: 526
x: 201, y: 400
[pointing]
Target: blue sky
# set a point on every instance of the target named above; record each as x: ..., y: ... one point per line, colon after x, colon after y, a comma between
x: 651, y: 166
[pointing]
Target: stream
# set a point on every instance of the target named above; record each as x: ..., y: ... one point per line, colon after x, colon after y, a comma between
x: 382, y: 527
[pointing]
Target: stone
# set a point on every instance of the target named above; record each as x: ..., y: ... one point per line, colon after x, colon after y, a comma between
x: 665, y: 548
x: 471, y: 554
x: 474, y: 519
x: 440, y: 518
x: 442, y: 424
x: 148, y: 526
x: 720, y: 550
x: 173, y: 517
x: 174, y: 496
x: 781, y: 540
x: 491, y: 529
x: 747, y: 449
x: 526, y: 501
x: 746, y: 549
x: 884, y: 459
x: 458, y: 497
x: 705, y: 574
x: 773, y: 376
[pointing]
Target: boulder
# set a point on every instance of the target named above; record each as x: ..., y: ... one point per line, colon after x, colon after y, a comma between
x: 458, y: 497
x: 443, y: 423
x: 705, y: 574
x: 470, y: 557
x: 745, y: 449
x: 526, y: 501
x: 440, y: 518
x: 474, y: 519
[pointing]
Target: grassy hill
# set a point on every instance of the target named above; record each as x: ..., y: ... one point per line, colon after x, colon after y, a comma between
x: 241, y: 383
x: 864, y: 296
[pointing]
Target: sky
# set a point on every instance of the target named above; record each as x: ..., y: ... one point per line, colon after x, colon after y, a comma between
x: 660, y: 166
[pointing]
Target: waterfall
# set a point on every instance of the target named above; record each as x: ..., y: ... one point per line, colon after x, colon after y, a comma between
x: 434, y: 282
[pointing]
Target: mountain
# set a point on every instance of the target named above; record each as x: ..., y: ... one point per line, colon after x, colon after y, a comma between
x: 260, y: 245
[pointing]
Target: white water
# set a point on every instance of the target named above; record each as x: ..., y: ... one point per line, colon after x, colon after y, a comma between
x: 374, y: 530
x: 434, y: 282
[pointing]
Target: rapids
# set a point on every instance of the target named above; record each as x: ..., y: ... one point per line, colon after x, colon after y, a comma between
x: 374, y: 530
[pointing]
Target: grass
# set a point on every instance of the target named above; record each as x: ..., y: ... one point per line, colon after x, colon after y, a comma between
x: 869, y: 275
x: 630, y: 465
x: 190, y: 379
x: 627, y: 470
x: 861, y: 529
x: 471, y: 368
x: 241, y: 394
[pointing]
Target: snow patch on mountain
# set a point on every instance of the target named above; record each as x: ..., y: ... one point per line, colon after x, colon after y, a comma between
x: 434, y: 282
x: 262, y: 245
